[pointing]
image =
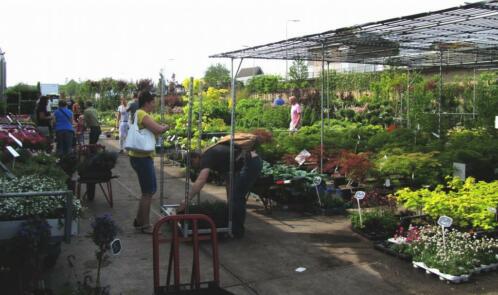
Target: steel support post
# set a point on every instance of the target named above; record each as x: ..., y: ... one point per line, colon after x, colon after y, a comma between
x: 231, y: 189
x: 322, y: 94
x: 161, y: 142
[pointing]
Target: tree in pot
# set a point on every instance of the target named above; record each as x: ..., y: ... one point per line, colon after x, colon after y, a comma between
x: 104, y: 232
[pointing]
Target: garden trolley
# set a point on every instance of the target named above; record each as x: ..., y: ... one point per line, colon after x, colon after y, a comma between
x: 195, y: 286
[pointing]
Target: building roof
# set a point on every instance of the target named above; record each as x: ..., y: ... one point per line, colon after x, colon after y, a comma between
x: 460, y: 36
x: 249, y: 72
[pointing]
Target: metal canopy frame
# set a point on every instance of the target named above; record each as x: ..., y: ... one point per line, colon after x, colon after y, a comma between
x: 463, y: 36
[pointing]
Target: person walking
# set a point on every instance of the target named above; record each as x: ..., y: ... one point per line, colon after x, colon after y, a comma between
x: 143, y: 162
x: 295, y: 114
x: 132, y: 107
x: 43, y: 117
x: 64, y: 132
x: 92, y: 122
x: 122, y: 123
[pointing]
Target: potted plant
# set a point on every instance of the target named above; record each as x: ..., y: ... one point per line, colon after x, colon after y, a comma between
x: 104, y: 232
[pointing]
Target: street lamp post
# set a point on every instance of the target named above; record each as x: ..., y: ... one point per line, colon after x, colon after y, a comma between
x: 286, y: 37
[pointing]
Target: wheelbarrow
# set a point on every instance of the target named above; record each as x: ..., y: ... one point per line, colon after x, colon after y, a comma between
x: 195, y: 286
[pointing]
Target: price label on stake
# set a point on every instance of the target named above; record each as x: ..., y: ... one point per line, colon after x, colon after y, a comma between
x: 359, y: 195
x: 317, y: 181
x: 17, y: 141
x: 116, y: 247
x: 12, y: 151
x: 445, y: 221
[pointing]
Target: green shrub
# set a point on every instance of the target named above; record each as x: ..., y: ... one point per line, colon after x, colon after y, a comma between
x: 466, y: 202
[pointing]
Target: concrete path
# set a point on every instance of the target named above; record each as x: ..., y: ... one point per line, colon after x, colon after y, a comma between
x: 337, y: 261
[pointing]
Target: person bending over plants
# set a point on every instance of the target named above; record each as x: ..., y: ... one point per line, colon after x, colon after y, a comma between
x: 248, y: 166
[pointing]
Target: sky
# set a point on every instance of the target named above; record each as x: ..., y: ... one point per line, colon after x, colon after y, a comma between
x: 53, y: 41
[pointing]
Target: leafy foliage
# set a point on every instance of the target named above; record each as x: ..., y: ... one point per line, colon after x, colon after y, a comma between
x: 467, y: 202
x: 217, y: 76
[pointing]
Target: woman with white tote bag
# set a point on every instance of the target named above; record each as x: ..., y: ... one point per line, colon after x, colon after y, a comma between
x: 140, y: 144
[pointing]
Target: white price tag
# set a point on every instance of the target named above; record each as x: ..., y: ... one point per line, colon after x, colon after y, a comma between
x: 492, y: 210
x: 445, y: 221
x: 116, y: 247
x: 17, y: 141
x: 12, y: 151
x: 302, y: 156
x: 317, y: 180
x: 9, y: 118
x: 359, y: 195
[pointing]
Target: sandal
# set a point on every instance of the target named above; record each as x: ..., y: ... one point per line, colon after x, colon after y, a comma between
x: 145, y: 229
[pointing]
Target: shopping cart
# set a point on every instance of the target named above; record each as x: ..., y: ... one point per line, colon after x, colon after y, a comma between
x: 195, y: 286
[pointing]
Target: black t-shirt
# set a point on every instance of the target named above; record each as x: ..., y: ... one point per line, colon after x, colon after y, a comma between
x: 42, y: 122
x: 218, y: 158
x: 132, y: 108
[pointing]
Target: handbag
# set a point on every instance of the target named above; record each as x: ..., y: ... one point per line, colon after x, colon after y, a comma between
x: 139, y: 140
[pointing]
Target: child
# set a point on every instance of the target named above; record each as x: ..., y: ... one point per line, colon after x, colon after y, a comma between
x: 80, y: 130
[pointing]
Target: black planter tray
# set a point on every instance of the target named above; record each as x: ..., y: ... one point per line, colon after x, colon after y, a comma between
x: 370, y: 236
x: 384, y: 247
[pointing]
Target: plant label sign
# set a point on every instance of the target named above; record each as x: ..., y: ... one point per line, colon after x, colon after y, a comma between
x: 116, y: 247
x: 317, y: 180
x: 17, y: 141
x: 492, y: 210
x: 445, y: 221
x: 12, y: 151
x: 359, y: 195
x: 459, y: 170
x: 302, y: 156
x: 10, y: 119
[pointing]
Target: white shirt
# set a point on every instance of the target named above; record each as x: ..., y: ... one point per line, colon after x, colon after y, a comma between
x: 123, y: 114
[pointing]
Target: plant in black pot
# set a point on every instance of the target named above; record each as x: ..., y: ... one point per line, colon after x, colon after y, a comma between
x: 216, y: 210
x: 27, y: 252
x: 104, y: 232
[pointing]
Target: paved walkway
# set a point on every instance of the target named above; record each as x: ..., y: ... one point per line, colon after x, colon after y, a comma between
x: 337, y: 261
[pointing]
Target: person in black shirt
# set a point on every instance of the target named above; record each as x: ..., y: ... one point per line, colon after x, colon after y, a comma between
x: 43, y: 117
x: 248, y: 166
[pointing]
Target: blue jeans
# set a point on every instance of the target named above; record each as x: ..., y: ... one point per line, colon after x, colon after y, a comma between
x: 64, y: 139
x: 243, y: 184
x: 144, y: 167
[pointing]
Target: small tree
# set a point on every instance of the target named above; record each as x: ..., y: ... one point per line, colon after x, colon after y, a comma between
x: 217, y: 76
x: 298, y: 74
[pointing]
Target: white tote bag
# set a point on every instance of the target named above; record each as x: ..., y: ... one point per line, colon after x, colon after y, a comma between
x: 139, y: 140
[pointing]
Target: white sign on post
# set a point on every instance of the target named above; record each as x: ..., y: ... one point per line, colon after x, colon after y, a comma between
x: 492, y: 210
x: 302, y: 156
x: 12, y: 151
x: 17, y: 141
x: 444, y: 221
x: 10, y: 119
x: 116, y: 247
x: 317, y: 181
x: 459, y: 170
x: 359, y: 195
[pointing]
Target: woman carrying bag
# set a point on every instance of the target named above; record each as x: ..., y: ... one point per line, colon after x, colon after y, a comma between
x: 140, y: 144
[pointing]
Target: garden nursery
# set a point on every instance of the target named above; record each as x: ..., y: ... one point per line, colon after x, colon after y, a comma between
x: 402, y: 159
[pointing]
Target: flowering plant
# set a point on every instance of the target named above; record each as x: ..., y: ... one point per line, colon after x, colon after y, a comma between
x: 459, y: 254
x: 43, y: 207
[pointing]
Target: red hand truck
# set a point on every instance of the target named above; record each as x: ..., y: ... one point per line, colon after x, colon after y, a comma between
x: 195, y: 286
